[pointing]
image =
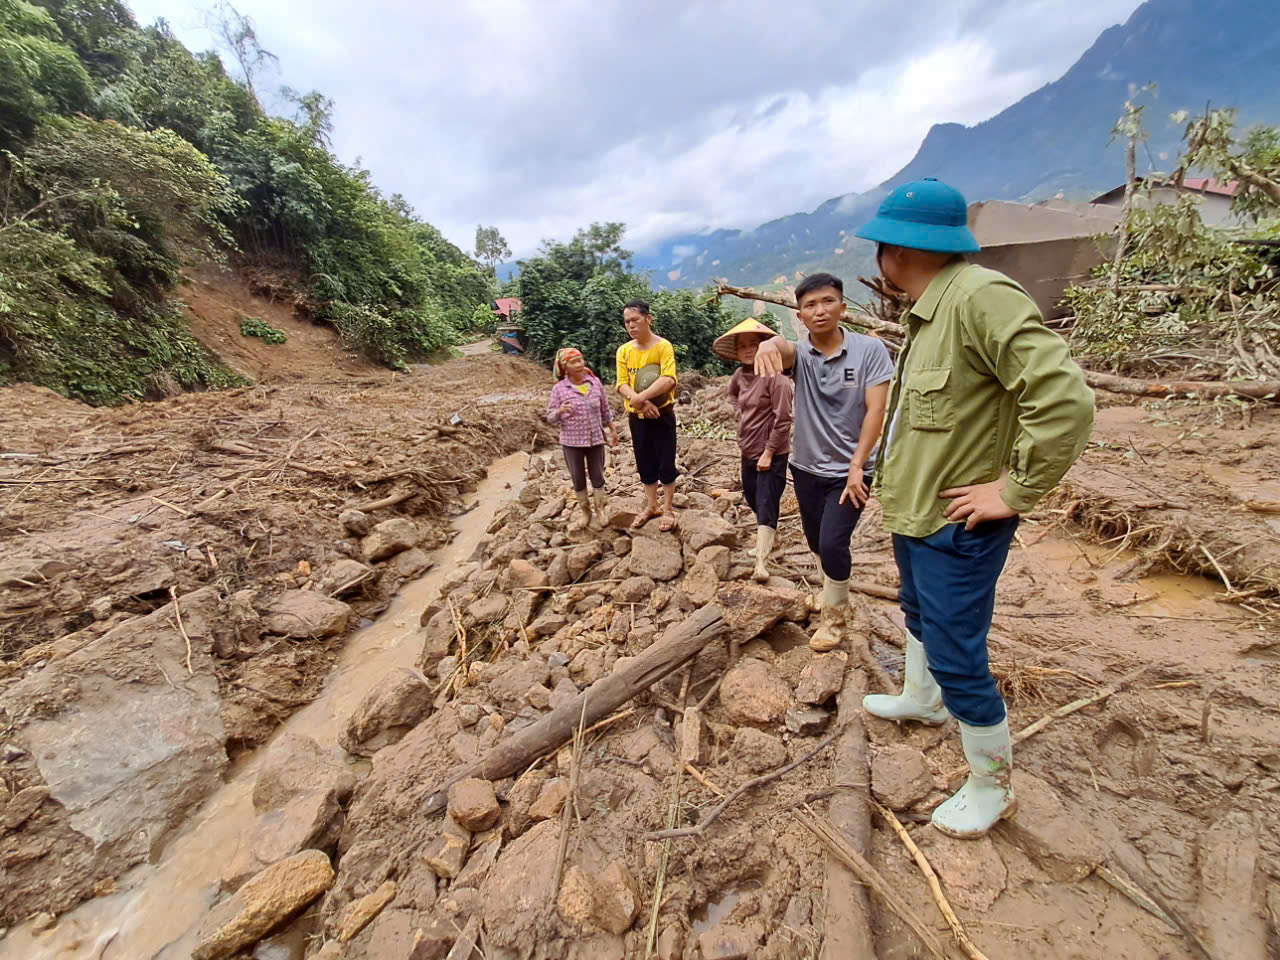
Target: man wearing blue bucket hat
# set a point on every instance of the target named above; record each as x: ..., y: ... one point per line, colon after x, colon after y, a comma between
x: 987, y: 412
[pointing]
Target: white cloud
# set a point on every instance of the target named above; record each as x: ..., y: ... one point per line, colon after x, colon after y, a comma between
x: 541, y: 116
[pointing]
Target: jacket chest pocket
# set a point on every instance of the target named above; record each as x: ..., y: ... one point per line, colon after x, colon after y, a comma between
x: 929, y: 395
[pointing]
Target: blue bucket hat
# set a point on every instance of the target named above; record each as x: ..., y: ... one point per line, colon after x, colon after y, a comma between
x: 923, y: 215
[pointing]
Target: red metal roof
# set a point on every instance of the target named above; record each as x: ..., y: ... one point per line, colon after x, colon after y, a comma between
x: 1210, y: 185
x: 508, y: 305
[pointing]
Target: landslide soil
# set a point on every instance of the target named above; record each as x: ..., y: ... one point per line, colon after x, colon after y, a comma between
x: 1092, y: 595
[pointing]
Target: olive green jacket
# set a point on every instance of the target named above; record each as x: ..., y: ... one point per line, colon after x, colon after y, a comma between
x: 982, y: 386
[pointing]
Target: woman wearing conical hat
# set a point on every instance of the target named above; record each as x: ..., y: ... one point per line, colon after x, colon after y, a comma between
x: 764, y: 407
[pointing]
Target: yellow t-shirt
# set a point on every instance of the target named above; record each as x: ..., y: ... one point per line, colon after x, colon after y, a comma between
x: 639, y: 368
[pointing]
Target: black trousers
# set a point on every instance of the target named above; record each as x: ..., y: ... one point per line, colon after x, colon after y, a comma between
x: 763, y: 489
x: 828, y: 524
x: 654, y: 442
x: 584, y: 460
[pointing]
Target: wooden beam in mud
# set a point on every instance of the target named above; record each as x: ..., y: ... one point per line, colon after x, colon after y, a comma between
x: 678, y: 645
x: 1250, y: 389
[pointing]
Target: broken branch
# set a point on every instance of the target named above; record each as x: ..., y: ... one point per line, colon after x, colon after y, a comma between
x: 760, y: 781
x: 935, y: 888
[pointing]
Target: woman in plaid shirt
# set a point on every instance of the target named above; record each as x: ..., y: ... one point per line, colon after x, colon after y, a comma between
x: 580, y: 406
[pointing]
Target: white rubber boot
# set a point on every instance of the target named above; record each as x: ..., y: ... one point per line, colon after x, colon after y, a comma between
x: 987, y: 796
x: 835, y: 605
x: 584, y: 501
x: 764, y: 546
x: 921, y: 697
x: 600, y: 500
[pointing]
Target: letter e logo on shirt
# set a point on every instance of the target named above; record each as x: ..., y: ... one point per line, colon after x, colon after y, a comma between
x: 850, y: 378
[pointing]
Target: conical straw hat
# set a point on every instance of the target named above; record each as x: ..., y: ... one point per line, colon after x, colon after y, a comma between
x: 726, y: 345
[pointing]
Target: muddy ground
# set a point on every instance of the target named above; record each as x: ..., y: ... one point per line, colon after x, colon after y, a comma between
x: 1152, y: 569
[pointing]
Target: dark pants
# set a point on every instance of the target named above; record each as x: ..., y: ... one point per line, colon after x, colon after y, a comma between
x: 763, y: 489
x: 654, y: 442
x: 584, y: 460
x: 948, y: 593
x: 828, y: 524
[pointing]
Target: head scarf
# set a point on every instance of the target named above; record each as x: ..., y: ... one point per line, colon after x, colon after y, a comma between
x: 563, y: 354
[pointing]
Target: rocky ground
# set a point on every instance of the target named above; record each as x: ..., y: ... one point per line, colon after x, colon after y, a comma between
x: 1163, y: 790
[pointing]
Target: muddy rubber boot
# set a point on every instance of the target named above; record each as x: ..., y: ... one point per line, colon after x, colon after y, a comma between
x: 835, y: 606
x: 987, y: 796
x: 584, y: 501
x: 921, y: 697
x: 764, y: 546
x: 599, y: 499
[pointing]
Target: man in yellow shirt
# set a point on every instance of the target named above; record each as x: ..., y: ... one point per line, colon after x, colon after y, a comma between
x: 647, y: 382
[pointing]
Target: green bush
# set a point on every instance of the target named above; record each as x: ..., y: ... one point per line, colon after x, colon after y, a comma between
x: 257, y: 327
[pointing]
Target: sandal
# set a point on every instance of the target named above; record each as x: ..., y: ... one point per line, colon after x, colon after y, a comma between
x: 668, y: 522
x: 643, y: 517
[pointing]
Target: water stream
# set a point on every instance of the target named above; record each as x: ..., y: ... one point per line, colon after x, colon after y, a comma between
x: 157, y: 908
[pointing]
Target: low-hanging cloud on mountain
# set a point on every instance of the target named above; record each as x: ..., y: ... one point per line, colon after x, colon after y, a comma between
x: 540, y: 116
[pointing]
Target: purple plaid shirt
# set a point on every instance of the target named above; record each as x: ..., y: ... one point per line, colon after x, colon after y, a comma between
x: 584, y: 425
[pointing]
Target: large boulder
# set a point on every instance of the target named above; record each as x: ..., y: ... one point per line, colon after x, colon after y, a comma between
x: 749, y: 609
x: 388, y: 538
x: 295, y: 765
x: 305, y: 613
x: 702, y: 528
x: 821, y: 678
x: 753, y: 693
x: 398, y: 701
x: 657, y: 557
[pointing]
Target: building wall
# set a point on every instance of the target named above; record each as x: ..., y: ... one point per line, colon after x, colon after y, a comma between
x: 1046, y: 267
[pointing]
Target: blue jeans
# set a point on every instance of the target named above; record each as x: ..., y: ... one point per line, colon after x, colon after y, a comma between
x: 948, y: 593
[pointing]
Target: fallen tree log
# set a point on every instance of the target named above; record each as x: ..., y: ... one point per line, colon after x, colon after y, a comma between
x: 858, y: 316
x: 679, y: 644
x: 1250, y: 389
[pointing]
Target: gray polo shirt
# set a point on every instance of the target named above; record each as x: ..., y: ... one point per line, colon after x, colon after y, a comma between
x: 831, y: 402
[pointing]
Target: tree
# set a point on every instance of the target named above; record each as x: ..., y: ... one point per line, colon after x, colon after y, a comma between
x: 314, y: 115
x: 1211, y: 146
x: 238, y: 34
x: 491, y: 247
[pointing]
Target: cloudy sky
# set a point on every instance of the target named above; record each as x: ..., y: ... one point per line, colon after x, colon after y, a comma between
x: 541, y: 116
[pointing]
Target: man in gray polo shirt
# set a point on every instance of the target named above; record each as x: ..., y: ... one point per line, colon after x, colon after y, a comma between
x: 842, y: 387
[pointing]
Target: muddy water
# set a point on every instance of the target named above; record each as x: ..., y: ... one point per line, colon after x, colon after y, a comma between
x: 157, y: 909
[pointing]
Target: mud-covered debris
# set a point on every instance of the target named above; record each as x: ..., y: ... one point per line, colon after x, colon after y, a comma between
x: 411, y: 562
x: 718, y: 557
x: 519, y: 896
x: 728, y: 942
x: 822, y: 678
x: 488, y: 609
x: 355, y: 522
x: 305, y: 613
x: 621, y: 512
x: 265, y: 902
x: 899, y: 777
x: 702, y: 528
x: 617, y: 898
x: 972, y: 872
x: 523, y: 574
x: 484, y: 854
x: 576, y: 901
x: 311, y: 821
x: 656, y: 556
x: 387, y: 712
x: 757, y: 751
x: 1065, y: 843
x: 805, y: 720
x: 522, y: 795
x: 358, y: 915
x: 635, y: 589
x: 448, y: 853
x: 389, y: 538
x: 582, y: 557
x: 509, y: 683
x: 551, y: 799
x: 671, y: 943
x: 293, y: 766
x: 750, y: 609
x: 473, y: 804
x: 753, y: 693
x: 558, y: 570
x: 21, y: 806
x: 343, y: 576
x: 101, y: 608
x: 700, y: 584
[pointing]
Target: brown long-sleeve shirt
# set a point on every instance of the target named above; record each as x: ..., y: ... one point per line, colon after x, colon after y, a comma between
x: 764, y: 412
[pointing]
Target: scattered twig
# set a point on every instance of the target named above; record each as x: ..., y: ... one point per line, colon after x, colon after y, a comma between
x: 60, y: 480
x: 173, y: 594
x: 843, y: 851
x: 1117, y: 879
x: 388, y: 501
x: 935, y: 888
x: 175, y: 509
x: 566, y: 818
x: 697, y: 775
x: 760, y: 781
